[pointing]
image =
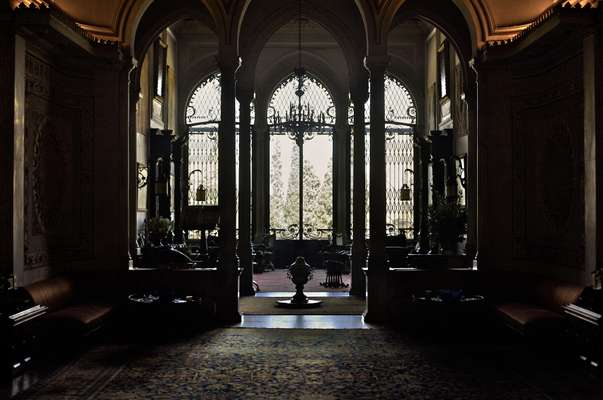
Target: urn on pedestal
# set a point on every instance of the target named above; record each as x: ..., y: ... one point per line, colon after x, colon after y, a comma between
x: 300, y: 273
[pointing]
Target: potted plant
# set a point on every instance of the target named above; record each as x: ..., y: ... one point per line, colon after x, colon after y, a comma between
x: 158, y: 230
x: 448, y: 224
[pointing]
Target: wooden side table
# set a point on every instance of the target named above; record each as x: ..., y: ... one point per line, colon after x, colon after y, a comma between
x: 164, y: 313
x: 586, y: 332
x: 19, y: 338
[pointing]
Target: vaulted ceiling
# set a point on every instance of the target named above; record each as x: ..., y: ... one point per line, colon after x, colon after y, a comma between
x: 491, y: 19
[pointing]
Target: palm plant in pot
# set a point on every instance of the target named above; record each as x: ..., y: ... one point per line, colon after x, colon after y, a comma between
x: 447, y: 223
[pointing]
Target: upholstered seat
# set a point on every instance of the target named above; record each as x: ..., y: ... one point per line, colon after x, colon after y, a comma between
x: 85, y: 314
x: 52, y: 293
x: 529, y: 319
x: 70, y: 306
x: 533, y: 306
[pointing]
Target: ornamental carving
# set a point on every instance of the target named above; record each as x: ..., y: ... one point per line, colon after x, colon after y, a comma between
x: 548, y: 167
x: 59, y: 156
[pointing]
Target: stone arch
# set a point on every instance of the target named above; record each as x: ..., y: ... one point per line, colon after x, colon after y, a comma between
x: 445, y: 14
x: 163, y: 13
x: 368, y: 13
x: 260, y: 27
x: 450, y: 21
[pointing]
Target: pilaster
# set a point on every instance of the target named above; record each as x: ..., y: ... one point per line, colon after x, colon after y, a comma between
x: 471, y: 169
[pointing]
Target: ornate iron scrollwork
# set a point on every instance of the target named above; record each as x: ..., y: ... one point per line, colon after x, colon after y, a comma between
x: 142, y: 176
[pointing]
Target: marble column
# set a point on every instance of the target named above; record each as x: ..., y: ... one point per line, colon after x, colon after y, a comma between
x: 359, y: 95
x: 245, y: 96
x: 227, y: 307
x: 377, y: 269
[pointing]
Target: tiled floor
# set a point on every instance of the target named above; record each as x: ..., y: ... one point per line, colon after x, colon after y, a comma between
x: 276, y: 281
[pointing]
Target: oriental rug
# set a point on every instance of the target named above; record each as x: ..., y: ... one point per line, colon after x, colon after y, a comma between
x: 314, y: 365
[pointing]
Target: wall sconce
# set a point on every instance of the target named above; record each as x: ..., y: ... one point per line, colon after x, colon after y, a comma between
x: 405, y: 192
x: 142, y: 176
x: 201, y: 192
x: 461, y: 170
x: 161, y: 179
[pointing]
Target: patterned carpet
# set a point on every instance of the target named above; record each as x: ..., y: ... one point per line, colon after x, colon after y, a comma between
x: 313, y: 365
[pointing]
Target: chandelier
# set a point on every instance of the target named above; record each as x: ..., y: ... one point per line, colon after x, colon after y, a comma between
x: 300, y: 121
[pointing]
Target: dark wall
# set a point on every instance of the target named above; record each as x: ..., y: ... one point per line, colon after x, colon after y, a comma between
x: 547, y: 111
x: 59, y: 164
x: 75, y: 210
x: 531, y: 163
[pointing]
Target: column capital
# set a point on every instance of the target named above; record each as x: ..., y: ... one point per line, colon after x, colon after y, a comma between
x: 376, y: 64
x: 228, y: 61
x: 244, y: 95
x: 359, y: 92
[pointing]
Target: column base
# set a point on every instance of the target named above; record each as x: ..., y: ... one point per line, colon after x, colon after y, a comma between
x: 377, y: 298
x: 227, y: 310
x: 246, y: 290
x: 358, y: 284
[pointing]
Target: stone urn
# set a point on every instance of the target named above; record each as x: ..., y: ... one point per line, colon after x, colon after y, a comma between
x: 300, y: 273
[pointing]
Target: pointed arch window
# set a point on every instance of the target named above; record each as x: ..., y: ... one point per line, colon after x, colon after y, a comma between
x: 203, y: 115
x: 301, y: 163
x: 400, y: 124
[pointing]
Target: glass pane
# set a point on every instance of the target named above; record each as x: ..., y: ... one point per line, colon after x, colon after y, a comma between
x: 399, y: 164
x: 203, y: 165
x: 318, y: 187
x: 284, y: 186
x: 204, y: 104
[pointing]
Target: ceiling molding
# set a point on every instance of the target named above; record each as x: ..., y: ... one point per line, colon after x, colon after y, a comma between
x: 495, y: 33
x: 489, y: 24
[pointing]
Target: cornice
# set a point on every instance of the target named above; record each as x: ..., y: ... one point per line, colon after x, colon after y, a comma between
x: 35, y: 8
x: 554, y: 10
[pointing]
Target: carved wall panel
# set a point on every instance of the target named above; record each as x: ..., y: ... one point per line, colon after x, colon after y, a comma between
x: 59, y: 157
x: 548, y: 167
x: 460, y: 112
x: 7, y: 90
